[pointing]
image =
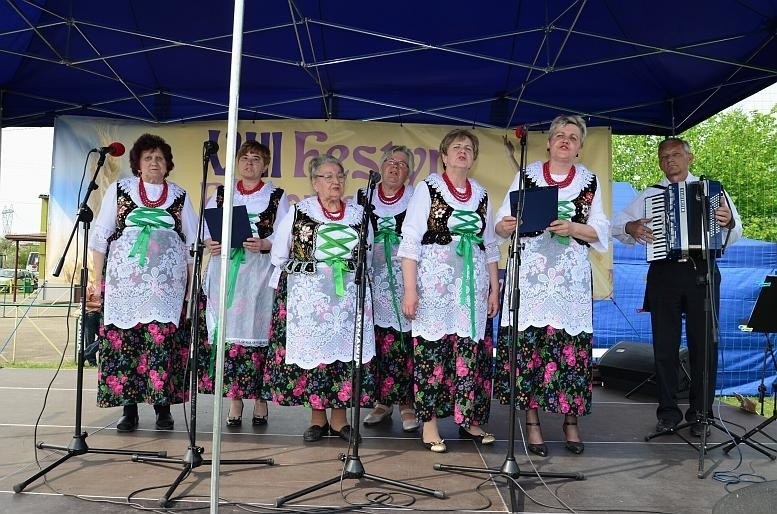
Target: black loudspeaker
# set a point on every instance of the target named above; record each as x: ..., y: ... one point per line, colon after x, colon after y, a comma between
x: 629, y: 366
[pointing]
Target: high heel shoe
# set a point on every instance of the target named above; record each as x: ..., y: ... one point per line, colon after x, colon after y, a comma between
x: 537, y: 449
x: 236, y: 421
x: 260, y: 421
x: 576, y: 447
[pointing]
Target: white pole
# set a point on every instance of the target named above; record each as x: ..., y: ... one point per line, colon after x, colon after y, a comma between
x: 226, y: 245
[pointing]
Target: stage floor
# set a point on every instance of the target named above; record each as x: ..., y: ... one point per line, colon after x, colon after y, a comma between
x: 622, y: 471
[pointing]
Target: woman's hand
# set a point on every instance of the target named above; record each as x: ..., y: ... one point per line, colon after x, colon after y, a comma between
x: 256, y: 245
x: 493, y: 302
x: 410, y: 302
x: 214, y: 247
x: 93, y: 298
x: 562, y: 227
x: 506, y: 226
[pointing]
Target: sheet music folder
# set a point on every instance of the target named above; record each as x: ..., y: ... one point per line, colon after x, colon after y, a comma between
x: 540, y: 207
x: 241, y: 227
x: 764, y: 316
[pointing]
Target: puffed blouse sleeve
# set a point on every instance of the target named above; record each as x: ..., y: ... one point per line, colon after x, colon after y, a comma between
x: 281, y: 246
x: 415, y: 224
x: 104, y: 224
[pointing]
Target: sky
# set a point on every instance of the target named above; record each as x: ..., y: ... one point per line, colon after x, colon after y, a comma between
x: 25, y: 168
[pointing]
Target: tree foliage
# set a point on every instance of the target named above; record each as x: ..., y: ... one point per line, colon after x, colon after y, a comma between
x: 736, y: 148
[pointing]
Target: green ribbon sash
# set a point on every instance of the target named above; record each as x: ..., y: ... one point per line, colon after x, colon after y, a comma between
x: 236, y: 258
x: 390, y: 238
x: 335, y: 238
x: 148, y: 218
x: 565, y: 211
x: 467, y: 229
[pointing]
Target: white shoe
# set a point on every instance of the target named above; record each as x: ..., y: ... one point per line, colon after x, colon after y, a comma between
x: 378, y: 415
x: 409, y: 425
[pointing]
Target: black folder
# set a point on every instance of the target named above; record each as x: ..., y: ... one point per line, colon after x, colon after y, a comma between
x: 540, y: 207
x: 764, y: 316
x: 241, y: 227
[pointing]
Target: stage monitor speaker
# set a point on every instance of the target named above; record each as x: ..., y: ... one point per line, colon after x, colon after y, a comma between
x: 629, y: 366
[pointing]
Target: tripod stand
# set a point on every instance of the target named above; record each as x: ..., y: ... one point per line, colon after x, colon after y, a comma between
x: 353, y: 468
x: 193, y: 457
x: 510, y: 468
x: 762, y: 320
x: 711, y: 282
x: 78, y: 444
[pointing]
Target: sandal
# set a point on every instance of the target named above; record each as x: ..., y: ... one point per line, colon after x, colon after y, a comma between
x: 537, y: 449
x: 576, y: 447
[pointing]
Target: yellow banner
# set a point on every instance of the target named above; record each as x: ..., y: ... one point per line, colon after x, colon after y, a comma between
x: 292, y: 143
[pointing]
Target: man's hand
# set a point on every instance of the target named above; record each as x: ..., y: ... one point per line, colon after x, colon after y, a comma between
x: 723, y: 214
x: 639, y: 230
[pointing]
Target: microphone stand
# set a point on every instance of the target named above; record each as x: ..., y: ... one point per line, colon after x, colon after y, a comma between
x: 710, y: 338
x: 193, y: 457
x: 510, y: 468
x: 353, y: 468
x: 78, y: 444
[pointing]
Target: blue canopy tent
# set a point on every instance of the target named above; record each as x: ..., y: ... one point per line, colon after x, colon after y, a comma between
x: 640, y: 67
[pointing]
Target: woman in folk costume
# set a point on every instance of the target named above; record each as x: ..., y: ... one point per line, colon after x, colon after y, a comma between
x: 314, y: 309
x: 449, y: 266
x: 141, y: 242
x: 555, y: 316
x: 393, y: 366
x: 249, y: 300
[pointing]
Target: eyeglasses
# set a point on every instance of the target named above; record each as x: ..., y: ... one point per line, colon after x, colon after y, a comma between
x: 340, y: 177
x: 560, y: 136
x: 398, y: 164
x: 254, y: 161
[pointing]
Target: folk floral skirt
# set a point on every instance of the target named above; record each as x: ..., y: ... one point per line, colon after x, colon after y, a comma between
x: 145, y: 363
x: 392, y: 366
x: 243, y: 365
x: 452, y: 377
x: 553, y: 371
x: 325, y: 386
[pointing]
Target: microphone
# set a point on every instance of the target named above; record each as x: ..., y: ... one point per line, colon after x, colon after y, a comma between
x: 210, y: 147
x: 374, y: 177
x: 521, y: 132
x: 114, y: 149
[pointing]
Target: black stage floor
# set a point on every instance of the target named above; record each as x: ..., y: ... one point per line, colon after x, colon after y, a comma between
x: 623, y: 472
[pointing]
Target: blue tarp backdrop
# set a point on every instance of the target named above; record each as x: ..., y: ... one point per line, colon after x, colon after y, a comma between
x: 742, y: 269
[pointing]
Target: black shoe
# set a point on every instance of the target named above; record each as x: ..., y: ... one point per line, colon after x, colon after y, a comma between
x: 576, y: 447
x: 164, y: 420
x: 346, y: 433
x: 235, y: 421
x: 485, y: 438
x: 129, y: 419
x: 315, y: 433
x: 259, y: 421
x: 537, y: 449
x: 697, y: 429
x: 665, y: 425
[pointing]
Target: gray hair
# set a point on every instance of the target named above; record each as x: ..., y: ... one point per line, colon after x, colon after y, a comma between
x: 402, y: 149
x: 670, y: 140
x: 568, y: 119
x: 316, y: 162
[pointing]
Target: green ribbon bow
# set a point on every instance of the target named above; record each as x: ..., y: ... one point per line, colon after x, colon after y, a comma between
x: 565, y: 211
x: 390, y: 238
x: 335, y: 237
x: 467, y: 232
x: 148, y: 218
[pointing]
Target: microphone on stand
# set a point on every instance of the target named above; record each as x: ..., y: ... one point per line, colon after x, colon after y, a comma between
x: 114, y: 149
x: 374, y: 179
x: 521, y: 132
x: 210, y: 147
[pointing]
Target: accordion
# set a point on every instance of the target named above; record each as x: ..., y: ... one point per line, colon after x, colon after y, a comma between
x: 678, y: 223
